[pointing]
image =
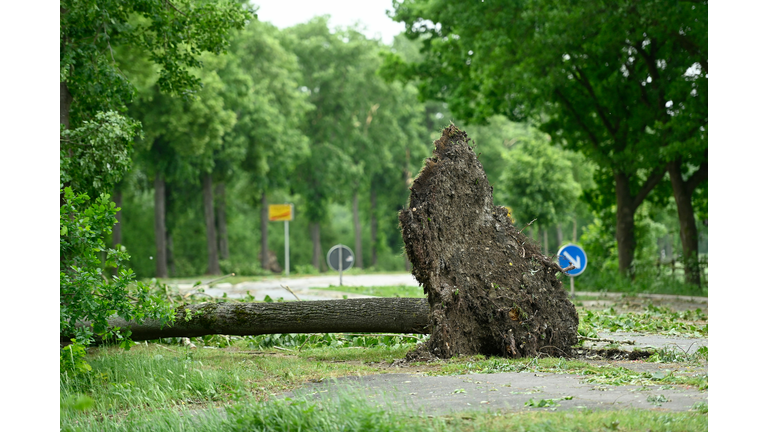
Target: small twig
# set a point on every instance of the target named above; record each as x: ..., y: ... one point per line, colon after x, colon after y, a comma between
x: 526, y: 226
x: 284, y: 349
x: 307, y: 339
x: 173, y: 351
x: 552, y: 346
x: 380, y: 334
x: 218, y: 279
x: 165, y: 289
x: 290, y: 291
x: 197, y: 293
x: 570, y: 267
x: 174, y: 7
x: 628, y: 342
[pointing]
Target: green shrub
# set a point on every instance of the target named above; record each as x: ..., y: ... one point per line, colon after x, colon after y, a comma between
x: 86, y: 293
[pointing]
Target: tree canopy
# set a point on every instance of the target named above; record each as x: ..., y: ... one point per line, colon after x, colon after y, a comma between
x: 623, y: 82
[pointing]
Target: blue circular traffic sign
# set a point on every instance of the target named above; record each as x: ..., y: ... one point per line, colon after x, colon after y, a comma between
x: 572, y: 255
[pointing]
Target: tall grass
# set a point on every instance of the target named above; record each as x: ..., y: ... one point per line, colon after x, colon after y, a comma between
x: 351, y: 413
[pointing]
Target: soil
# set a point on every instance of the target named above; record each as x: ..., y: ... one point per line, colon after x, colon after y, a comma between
x: 490, y: 289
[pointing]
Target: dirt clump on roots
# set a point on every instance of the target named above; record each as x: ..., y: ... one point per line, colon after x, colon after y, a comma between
x: 490, y: 289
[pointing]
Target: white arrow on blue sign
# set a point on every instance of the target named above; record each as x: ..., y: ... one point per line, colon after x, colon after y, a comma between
x: 572, y: 255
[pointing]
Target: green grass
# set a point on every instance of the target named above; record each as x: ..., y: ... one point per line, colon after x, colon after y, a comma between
x: 607, y: 374
x: 147, y: 387
x: 381, y: 291
x: 654, y: 320
x: 646, y: 281
x: 350, y: 413
x: 154, y: 381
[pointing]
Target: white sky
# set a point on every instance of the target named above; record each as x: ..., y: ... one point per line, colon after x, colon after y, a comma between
x: 370, y: 13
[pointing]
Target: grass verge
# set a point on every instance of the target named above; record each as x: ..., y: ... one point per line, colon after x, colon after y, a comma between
x: 350, y: 414
x: 381, y: 291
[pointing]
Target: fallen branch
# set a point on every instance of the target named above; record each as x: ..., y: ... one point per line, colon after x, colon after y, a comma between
x: 627, y: 342
x: 366, y: 315
x: 290, y: 291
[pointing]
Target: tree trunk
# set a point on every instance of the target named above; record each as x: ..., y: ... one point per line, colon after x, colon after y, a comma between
x: 369, y: 315
x: 117, y: 229
x: 161, y: 262
x: 221, y: 219
x: 559, y: 235
x: 264, y: 230
x: 358, y: 231
x: 625, y: 223
x: 545, y: 238
x: 171, y: 261
x: 374, y: 229
x: 65, y: 101
x: 689, y: 237
x: 490, y: 290
x: 210, y: 226
x: 575, y: 232
x: 626, y: 206
x: 317, y: 252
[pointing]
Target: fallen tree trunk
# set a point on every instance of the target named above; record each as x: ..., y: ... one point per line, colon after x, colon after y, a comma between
x: 366, y: 315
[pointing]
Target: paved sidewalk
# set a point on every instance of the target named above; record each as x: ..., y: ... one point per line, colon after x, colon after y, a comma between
x: 302, y: 286
x: 437, y: 395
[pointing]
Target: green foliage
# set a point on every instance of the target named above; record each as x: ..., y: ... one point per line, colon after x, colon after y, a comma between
x: 655, y: 320
x: 85, y: 291
x: 72, y: 358
x: 624, y: 83
x: 172, y: 36
x: 95, y: 156
x: 538, y: 180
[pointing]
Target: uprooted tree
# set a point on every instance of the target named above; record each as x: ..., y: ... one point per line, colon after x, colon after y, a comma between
x: 489, y: 288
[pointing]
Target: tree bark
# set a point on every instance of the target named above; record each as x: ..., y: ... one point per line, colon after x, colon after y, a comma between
x: 317, y: 252
x: 369, y: 315
x: 171, y: 261
x: 625, y: 222
x: 161, y: 262
x: 689, y: 237
x: 65, y: 101
x: 626, y: 206
x: 374, y: 229
x: 264, y: 231
x: 358, y: 231
x: 221, y: 219
x: 575, y: 232
x: 210, y: 226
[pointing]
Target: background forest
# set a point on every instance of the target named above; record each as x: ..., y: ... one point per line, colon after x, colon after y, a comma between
x: 601, y: 137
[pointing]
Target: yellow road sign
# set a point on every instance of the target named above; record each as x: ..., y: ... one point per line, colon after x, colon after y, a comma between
x: 280, y: 212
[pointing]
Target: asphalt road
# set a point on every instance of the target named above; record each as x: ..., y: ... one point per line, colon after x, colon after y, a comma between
x: 302, y: 286
x: 435, y: 395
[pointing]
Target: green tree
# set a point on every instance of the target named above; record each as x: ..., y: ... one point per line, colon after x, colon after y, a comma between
x: 96, y: 138
x: 362, y: 127
x: 614, y: 81
x: 538, y: 181
x: 262, y: 88
x: 182, y: 137
x: 171, y: 35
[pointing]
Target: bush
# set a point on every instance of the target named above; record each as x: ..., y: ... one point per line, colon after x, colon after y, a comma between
x: 86, y: 293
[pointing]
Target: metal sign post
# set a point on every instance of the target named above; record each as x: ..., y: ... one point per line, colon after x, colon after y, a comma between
x: 283, y: 212
x: 340, y: 258
x: 287, y: 251
x: 572, y: 256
